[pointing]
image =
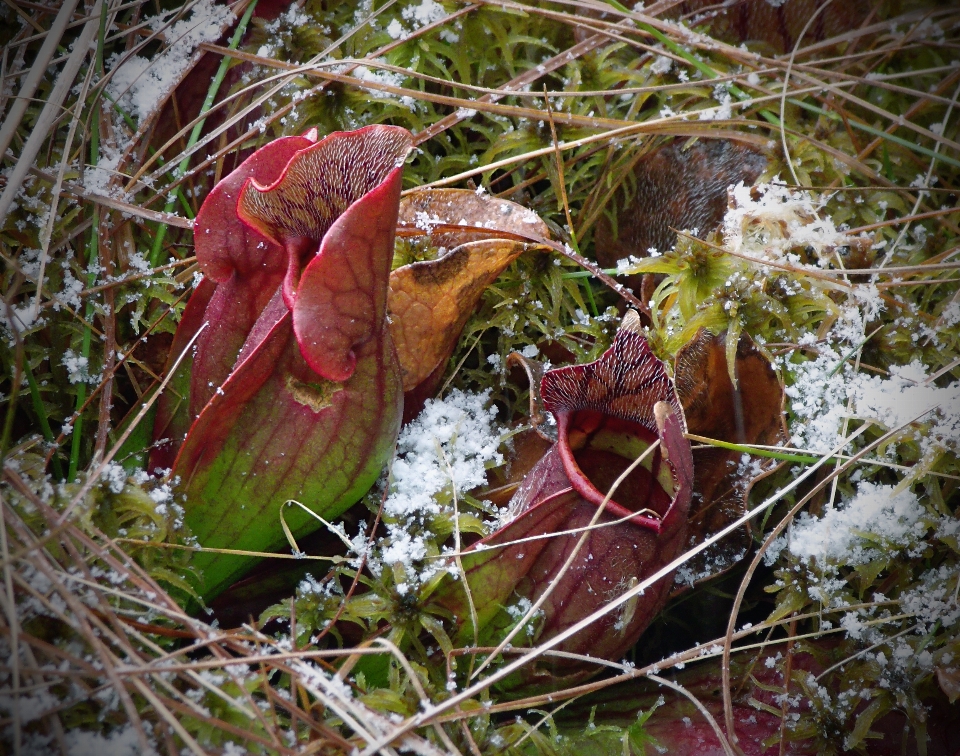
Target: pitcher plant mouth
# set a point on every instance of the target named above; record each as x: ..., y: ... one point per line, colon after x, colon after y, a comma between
x: 596, y: 449
x: 607, y: 417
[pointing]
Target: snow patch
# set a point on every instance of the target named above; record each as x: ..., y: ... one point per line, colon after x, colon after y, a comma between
x: 767, y: 221
x: 444, y: 453
x: 857, y: 531
x: 142, y: 85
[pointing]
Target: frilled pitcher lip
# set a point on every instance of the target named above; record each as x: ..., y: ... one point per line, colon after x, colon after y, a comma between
x: 318, y: 145
x: 627, y: 384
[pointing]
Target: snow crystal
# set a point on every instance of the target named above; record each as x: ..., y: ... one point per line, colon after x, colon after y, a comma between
x: 312, y: 675
x: 139, y: 263
x: 24, y: 317
x: 951, y: 314
x: 853, y: 625
x: 661, y: 65
x: 427, y: 12
x: 395, y: 29
x: 162, y: 497
x: 518, y: 608
x: 30, y: 707
x: 322, y: 588
x: 425, y: 221
x: 114, y: 476
x: 404, y: 548
x: 69, y: 295
x: 235, y: 749
x: 817, y: 397
x: 722, y: 113
x: 77, y: 367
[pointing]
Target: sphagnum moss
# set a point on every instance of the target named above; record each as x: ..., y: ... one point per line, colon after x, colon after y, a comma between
x: 868, y: 133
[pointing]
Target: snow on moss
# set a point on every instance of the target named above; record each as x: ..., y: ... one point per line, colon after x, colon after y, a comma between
x: 909, y: 395
x: 450, y: 443
x: 427, y: 12
x: 857, y: 531
x: 817, y: 397
x: 933, y: 599
x: 384, y: 77
x: 826, y: 391
x: 768, y: 221
x: 443, y: 453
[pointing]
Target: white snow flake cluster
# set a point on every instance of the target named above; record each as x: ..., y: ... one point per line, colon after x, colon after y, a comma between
x: 389, y: 78
x: 444, y: 452
x: 907, y: 395
x: 876, y: 518
x: 419, y: 15
x: 766, y: 221
x: 824, y: 393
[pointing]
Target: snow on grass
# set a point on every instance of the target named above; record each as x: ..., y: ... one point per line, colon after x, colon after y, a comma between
x: 443, y: 453
x: 142, y: 84
x: 98, y: 179
x: 876, y: 518
x: 767, y: 221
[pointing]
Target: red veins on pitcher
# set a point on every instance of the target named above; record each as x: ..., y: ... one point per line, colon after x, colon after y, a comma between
x: 292, y: 388
x: 608, y: 413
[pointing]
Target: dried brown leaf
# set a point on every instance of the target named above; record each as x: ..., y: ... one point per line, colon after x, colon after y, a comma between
x: 430, y: 300
x: 949, y: 680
